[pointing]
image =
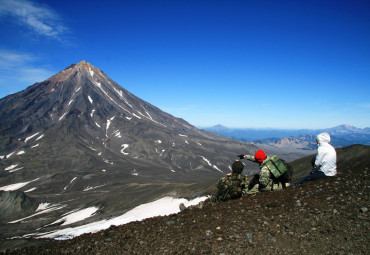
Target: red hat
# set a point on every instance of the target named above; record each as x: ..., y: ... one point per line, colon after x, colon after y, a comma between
x: 260, y: 156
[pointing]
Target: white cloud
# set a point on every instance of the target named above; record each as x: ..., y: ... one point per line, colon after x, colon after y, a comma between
x: 10, y: 59
x: 40, y: 18
x: 17, y: 71
x: 21, y: 69
x: 31, y: 75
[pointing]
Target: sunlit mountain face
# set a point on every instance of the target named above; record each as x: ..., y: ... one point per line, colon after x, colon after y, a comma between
x: 80, y: 140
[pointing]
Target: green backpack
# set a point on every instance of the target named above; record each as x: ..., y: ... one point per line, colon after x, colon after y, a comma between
x: 280, y: 169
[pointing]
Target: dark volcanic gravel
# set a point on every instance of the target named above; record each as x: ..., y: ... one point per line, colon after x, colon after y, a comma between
x: 329, y: 216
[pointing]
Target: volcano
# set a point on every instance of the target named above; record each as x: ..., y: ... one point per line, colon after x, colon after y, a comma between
x: 78, y: 139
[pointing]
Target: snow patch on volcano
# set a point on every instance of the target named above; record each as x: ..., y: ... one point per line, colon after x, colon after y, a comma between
x: 16, y: 186
x: 32, y: 136
x: 161, y: 207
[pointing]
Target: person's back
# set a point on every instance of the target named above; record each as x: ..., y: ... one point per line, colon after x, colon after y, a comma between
x: 232, y: 186
x: 326, y: 159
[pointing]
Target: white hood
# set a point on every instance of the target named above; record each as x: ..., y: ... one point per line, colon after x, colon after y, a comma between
x: 326, y: 158
x: 323, y: 138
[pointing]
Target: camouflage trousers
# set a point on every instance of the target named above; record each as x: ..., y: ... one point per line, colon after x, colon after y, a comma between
x: 256, y: 189
x: 256, y: 186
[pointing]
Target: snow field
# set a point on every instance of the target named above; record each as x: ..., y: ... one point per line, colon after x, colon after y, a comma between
x: 16, y: 185
x: 160, y: 207
x: 75, y: 216
x: 43, y: 208
x: 30, y: 137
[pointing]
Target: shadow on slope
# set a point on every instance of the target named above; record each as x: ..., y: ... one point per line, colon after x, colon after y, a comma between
x: 15, y: 204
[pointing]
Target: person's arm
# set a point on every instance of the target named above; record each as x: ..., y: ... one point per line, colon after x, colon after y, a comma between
x: 319, y: 159
x: 249, y: 157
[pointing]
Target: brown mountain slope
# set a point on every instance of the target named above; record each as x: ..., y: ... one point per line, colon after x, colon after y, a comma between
x: 328, y: 216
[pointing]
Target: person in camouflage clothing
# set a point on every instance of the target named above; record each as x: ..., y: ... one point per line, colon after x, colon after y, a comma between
x: 264, y: 178
x: 233, y: 185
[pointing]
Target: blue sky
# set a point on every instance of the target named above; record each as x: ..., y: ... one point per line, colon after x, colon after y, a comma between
x: 280, y: 64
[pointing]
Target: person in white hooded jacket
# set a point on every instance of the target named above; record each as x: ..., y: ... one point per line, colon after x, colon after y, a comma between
x: 325, y: 162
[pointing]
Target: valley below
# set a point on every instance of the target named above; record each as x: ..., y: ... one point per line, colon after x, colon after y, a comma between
x: 327, y: 216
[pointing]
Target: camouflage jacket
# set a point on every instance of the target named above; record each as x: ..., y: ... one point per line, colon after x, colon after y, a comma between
x: 265, y: 180
x: 231, y: 186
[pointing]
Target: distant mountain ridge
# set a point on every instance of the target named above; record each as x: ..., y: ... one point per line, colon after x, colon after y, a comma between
x: 342, y: 135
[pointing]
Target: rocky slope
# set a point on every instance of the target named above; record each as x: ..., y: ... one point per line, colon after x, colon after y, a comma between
x: 16, y: 203
x: 79, y: 140
x: 328, y: 216
x: 80, y: 122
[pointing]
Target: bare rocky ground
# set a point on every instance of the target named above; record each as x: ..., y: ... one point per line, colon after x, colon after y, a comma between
x: 329, y: 216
